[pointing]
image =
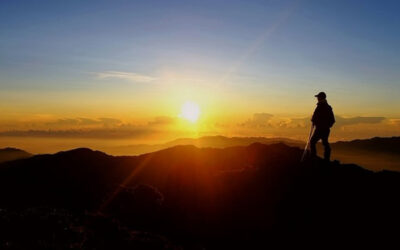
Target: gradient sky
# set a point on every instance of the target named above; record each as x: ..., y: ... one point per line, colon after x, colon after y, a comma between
x: 136, y: 62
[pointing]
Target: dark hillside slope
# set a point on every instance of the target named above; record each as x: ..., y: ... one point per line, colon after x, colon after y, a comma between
x: 11, y: 154
x: 238, y: 197
x: 375, y: 154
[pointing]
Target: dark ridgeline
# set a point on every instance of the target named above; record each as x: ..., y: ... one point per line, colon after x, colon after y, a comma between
x: 374, y: 154
x: 11, y: 154
x: 247, y: 197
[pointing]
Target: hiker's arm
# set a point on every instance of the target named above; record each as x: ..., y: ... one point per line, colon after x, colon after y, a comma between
x: 314, y: 116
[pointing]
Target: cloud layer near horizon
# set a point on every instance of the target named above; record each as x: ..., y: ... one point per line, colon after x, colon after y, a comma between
x: 266, y: 120
x: 260, y: 124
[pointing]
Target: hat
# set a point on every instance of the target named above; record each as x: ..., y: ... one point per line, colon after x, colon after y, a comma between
x: 321, y: 95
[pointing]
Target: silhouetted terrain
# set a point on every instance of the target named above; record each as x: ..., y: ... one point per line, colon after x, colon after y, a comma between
x: 374, y: 154
x: 201, y: 142
x: 10, y: 154
x: 246, y: 197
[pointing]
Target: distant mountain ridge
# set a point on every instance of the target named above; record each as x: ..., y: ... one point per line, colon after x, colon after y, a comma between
x: 11, y: 154
x: 205, y: 141
x: 222, y: 141
x: 376, y: 153
x: 389, y: 145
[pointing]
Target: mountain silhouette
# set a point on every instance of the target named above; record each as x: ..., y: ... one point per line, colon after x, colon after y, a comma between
x: 376, y: 144
x: 374, y: 154
x: 201, y: 142
x: 246, y: 197
x: 11, y: 154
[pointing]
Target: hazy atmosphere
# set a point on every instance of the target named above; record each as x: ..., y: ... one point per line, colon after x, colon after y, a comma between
x: 199, y: 124
x: 76, y: 73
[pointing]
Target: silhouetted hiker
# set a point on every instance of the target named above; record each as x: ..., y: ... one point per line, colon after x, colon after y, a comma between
x: 323, y: 119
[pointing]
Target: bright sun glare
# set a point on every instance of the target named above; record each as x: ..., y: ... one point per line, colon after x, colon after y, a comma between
x: 190, y: 111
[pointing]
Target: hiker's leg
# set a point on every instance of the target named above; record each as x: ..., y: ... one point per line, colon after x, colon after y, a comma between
x: 327, y: 147
x: 313, y: 142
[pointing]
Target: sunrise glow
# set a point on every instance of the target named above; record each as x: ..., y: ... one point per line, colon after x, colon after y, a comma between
x: 190, y: 111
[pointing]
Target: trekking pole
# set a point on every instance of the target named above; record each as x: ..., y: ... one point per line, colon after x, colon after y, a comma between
x: 308, y: 143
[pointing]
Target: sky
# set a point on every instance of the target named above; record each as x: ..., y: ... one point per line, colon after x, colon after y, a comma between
x: 98, y: 72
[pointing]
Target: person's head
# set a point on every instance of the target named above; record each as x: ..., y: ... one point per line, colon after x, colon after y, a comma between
x: 321, y: 96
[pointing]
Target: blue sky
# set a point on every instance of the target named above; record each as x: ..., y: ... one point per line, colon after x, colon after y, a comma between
x: 261, y: 49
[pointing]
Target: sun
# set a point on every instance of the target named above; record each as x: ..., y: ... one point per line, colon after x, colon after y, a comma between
x: 190, y: 111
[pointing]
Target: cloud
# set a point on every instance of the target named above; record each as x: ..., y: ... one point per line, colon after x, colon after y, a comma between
x: 299, y: 122
x: 164, y: 127
x: 130, y: 76
x: 258, y: 120
x: 105, y: 133
x: 345, y: 121
x: 395, y: 122
x: 81, y: 122
x: 162, y: 120
x: 266, y: 120
x: 110, y: 121
x: 340, y: 121
x: 100, y: 128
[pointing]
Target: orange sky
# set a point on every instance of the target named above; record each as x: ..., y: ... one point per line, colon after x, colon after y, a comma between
x: 253, y: 69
